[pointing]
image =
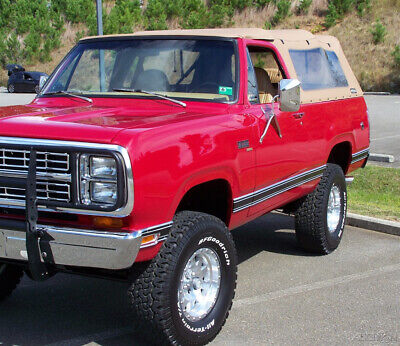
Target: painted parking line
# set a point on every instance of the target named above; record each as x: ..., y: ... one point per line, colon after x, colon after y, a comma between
x: 313, y: 286
x: 382, y: 138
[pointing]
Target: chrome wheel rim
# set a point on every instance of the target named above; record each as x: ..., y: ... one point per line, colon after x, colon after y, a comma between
x: 334, y: 208
x: 200, y: 284
x: 11, y: 88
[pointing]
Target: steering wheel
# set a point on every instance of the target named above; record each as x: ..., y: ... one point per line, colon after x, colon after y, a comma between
x: 203, y: 85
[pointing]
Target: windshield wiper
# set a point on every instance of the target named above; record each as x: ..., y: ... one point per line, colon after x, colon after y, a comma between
x: 183, y: 104
x: 72, y: 94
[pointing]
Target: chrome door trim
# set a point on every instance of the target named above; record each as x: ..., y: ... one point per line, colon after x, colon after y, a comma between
x: 261, y: 195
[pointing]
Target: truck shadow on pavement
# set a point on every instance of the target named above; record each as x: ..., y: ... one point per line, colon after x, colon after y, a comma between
x: 271, y: 233
x: 71, y: 310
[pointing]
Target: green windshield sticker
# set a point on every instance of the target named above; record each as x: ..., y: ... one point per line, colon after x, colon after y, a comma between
x: 225, y: 90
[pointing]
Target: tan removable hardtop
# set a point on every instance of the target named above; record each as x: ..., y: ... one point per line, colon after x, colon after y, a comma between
x: 283, y: 40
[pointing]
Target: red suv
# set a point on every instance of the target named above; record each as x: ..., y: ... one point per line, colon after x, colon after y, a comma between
x: 143, y: 151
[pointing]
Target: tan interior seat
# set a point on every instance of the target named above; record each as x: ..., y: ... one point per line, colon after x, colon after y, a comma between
x: 274, y: 74
x: 266, y: 90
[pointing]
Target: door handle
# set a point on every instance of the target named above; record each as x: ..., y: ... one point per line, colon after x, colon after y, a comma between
x: 298, y: 115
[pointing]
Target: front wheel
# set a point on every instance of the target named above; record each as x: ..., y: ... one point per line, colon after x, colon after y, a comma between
x: 11, y: 88
x: 10, y: 276
x: 320, y: 217
x: 185, y: 294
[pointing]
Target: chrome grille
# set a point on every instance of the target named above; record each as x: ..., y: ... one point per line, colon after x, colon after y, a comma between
x: 16, y: 159
x: 45, y: 191
x: 52, y: 172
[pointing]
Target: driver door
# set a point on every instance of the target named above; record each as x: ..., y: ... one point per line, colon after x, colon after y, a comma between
x: 282, y: 153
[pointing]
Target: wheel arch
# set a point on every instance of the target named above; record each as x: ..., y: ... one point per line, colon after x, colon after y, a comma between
x: 341, y: 153
x: 212, y: 197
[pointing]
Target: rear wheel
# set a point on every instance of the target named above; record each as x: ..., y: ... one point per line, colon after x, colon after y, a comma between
x: 184, y: 295
x: 11, y: 88
x: 320, y: 217
x: 37, y: 89
x: 10, y: 276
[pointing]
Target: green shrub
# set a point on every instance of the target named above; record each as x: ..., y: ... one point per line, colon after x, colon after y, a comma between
x: 267, y: 25
x: 304, y: 6
x: 378, y: 32
x: 342, y: 6
x: 363, y: 6
x: 332, y: 16
x: 261, y: 3
x: 123, y: 16
x: 396, y: 56
x: 283, y: 11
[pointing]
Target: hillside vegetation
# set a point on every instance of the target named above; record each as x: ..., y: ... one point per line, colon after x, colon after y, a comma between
x: 37, y: 34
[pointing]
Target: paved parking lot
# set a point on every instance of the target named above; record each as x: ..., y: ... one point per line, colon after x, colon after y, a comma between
x: 385, y: 126
x: 284, y: 295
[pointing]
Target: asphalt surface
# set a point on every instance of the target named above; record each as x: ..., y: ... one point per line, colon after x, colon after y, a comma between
x: 385, y: 126
x: 284, y: 296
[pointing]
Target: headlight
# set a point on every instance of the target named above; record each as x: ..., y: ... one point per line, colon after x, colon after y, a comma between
x: 103, y: 167
x: 98, y: 180
x: 103, y: 192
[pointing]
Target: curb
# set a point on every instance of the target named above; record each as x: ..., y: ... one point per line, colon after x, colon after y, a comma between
x: 373, y: 224
x: 381, y: 157
x: 377, y: 93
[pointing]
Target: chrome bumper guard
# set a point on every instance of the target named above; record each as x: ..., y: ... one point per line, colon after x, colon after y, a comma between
x: 73, y: 247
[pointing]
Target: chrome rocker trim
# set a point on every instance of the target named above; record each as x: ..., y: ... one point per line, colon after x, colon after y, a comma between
x: 75, y: 247
x: 268, y: 192
x: 356, y: 157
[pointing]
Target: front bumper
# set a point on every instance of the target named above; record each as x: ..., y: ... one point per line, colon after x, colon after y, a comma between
x: 71, y: 246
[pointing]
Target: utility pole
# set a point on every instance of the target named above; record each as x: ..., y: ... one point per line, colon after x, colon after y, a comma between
x: 99, y: 10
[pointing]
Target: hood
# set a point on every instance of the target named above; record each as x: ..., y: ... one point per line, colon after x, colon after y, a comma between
x: 88, y: 123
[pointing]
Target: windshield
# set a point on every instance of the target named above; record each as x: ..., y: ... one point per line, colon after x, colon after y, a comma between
x: 182, y: 68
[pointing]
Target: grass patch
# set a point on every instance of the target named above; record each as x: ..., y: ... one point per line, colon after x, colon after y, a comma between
x: 376, y: 192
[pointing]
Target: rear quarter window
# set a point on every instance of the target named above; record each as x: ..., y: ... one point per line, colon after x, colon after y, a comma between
x: 318, y: 69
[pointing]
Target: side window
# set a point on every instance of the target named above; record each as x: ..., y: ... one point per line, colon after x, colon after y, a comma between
x: 268, y: 72
x: 318, y: 69
x: 252, y: 90
x: 337, y: 71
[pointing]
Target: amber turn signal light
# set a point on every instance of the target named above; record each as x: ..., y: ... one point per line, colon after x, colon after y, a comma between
x: 149, y: 240
x: 107, y: 222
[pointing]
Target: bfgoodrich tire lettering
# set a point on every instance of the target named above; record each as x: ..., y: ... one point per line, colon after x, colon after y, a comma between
x: 10, y: 276
x: 311, y: 218
x: 154, y: 292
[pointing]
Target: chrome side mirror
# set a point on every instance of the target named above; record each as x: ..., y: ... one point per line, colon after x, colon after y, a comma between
x: 42, y: 82
x: 289, y: 95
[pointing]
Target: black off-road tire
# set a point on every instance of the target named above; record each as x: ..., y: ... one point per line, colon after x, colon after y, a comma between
x: 10, y: 276
x: 154, y: 291
x: 311, y: 216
